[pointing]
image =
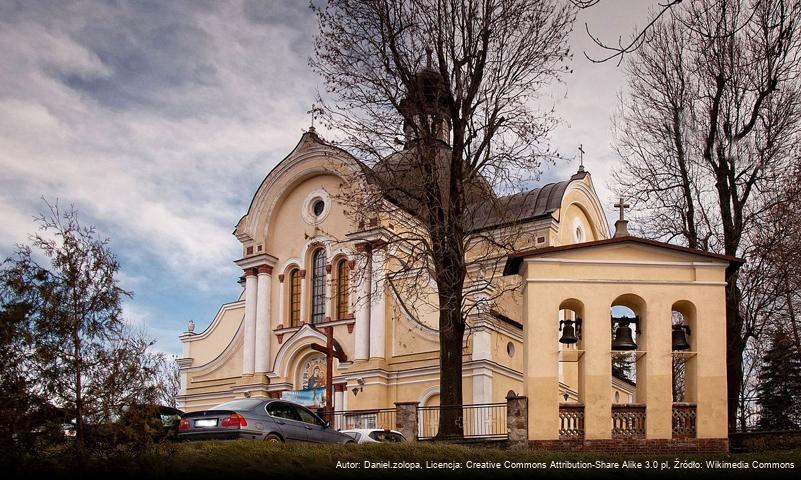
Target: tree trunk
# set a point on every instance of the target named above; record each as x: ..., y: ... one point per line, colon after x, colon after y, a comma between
x: 734, y: 348
x: 451, y: 327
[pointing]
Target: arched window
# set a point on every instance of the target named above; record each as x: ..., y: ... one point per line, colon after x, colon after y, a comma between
x: 343, y: 272
x: 318, y: 287
x: 294, y: 298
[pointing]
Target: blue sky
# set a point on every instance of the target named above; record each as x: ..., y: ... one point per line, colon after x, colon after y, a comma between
x: 158, y: 120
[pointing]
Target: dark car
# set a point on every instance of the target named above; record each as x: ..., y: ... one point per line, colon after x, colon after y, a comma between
x: 259, y: 419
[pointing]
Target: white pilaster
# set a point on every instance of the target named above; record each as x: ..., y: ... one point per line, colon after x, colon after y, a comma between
x: 263, y: 322
x: 378, y: 305
x: 249, y: 322
x: 338, y: 400
x: 362, y: 327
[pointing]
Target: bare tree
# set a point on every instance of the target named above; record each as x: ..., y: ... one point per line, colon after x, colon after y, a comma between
x: 708, y: 130
x: 168, y: 380
x: 436, y: 97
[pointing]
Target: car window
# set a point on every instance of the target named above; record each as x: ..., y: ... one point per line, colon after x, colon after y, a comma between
x: 282, y: 410
x: 238, y: 405
x: 354, y: 435
x: 308, y: 417
x: 386, y: 437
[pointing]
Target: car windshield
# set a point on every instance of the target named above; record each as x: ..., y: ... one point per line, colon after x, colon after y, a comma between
x: 238, y: 405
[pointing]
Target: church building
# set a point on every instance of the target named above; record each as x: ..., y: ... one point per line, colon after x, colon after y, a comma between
x: 606, y: 336
x: 302, y: 254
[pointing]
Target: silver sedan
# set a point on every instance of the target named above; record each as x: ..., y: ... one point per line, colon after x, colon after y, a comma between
x: 271, y: 420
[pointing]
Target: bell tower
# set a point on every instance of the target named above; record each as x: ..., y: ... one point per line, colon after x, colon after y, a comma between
x: 424, y: 108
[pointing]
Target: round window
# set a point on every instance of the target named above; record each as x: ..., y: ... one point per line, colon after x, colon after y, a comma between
x: 318, y: 207
x: 510, y: 349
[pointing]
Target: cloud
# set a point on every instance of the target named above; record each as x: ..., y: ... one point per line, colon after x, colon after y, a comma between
x: 158, y: 120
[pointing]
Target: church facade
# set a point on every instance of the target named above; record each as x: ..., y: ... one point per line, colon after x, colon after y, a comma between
x: 311, y: 270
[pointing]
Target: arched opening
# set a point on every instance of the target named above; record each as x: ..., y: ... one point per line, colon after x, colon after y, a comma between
x: 572, y: 368
x: 629, y: 330
x: 318, y: 286
x: 629, y: 334
x: 683, y: 314
x: 571, y: 314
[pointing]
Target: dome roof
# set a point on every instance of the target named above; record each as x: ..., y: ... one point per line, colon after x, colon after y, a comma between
x: 402, y: 180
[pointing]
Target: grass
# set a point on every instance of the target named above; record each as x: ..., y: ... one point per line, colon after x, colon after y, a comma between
x: 248, y: 459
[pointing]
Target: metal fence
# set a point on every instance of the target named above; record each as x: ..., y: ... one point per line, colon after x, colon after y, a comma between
x: 480, y: 421
x: 379, y: 418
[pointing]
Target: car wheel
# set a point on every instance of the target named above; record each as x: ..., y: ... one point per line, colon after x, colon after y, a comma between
x: 273, y: 438
x: 350, y: 442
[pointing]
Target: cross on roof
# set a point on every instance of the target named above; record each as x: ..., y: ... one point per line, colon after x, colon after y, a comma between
x: 622, y: 205
x: 314, y: 110
x: 581, y: 155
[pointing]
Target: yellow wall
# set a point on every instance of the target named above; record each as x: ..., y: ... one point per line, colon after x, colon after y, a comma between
x: 600, y: 277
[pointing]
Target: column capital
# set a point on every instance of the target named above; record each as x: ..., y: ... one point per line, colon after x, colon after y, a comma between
x: 265, y: 270
x: 281, y: 278
x: 362, y: 247
x: 250, y: 272
x: 302, y: 273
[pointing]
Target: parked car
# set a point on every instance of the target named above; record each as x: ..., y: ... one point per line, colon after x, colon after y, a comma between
x: 270, y: 420
x: 375, y: 435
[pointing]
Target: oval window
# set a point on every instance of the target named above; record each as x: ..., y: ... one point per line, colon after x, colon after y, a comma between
x: 317, y: 207
x: 510, y: 349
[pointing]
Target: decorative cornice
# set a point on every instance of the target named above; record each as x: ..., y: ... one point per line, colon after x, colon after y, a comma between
x: 184, y: 362
x: 256, y: 261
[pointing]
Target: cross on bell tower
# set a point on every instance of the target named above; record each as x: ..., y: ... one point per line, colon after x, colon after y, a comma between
x: 621, y: 225
x: 581, y: 158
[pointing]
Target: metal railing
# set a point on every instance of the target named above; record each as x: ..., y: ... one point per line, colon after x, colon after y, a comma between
x: 628, y: 420
x: 480, y: 421
x: 684, y: 416
x: 379, y: 418
x: 571, y: 421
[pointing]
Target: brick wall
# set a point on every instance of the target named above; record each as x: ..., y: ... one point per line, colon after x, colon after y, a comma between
x: 761, y: 441
x: 636, y: 445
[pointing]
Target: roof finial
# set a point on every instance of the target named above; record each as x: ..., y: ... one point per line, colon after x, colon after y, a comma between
x: 581, y: 158
x: 429, y: 52
x: 313, y: 112
x: 621, y: 225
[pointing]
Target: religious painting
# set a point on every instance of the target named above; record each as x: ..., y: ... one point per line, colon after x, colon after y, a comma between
x: 313, y: 374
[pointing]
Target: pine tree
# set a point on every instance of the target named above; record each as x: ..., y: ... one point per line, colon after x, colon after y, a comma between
x: 779, y: 391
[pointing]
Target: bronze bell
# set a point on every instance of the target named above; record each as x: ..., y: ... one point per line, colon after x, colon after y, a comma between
x: 623, y: 339
x: 568, y: 331
x: 680, y: 337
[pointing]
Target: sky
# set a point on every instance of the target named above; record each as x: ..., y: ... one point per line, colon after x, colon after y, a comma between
x: 158, y: 121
